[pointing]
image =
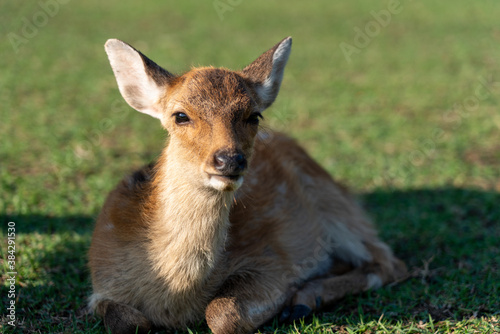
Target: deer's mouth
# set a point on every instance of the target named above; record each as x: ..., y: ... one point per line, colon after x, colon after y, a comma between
x: 234, y: 177
x: 225, y: 182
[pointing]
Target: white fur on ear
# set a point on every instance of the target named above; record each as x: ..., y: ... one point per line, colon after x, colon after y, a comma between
x: 267, y: 71
x: 136, y: 85
x: 270, y: 87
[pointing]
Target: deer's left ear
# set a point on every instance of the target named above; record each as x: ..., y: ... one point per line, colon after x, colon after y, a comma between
x: 266, y: 72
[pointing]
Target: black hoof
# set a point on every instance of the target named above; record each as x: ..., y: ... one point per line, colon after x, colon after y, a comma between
x: 300, y: 311
x: 285, y: 314
x: 319, y: 301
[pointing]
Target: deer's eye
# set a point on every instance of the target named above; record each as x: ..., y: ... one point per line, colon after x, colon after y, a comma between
x: 181, y: 118
x: 254, y: 118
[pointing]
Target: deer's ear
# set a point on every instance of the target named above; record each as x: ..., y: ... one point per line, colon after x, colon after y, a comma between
x: 266, y: 72
x: 141, y: 82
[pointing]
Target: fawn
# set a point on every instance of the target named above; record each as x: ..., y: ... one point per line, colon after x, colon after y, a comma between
x: 231, y: 223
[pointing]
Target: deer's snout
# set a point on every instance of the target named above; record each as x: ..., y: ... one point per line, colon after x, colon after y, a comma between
x: 230, y: 163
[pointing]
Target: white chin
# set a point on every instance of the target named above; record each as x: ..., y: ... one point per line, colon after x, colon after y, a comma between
x: 224, y: 184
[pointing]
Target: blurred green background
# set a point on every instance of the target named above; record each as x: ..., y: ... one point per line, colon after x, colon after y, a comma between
x: 403, y: 108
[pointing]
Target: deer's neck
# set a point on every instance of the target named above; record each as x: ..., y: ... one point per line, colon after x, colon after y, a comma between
x: 189, y: 226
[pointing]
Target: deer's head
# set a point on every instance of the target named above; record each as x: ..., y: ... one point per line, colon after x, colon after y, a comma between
x: 211, y: 114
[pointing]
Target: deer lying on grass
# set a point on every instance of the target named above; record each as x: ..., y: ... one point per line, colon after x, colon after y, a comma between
x: 230, y: 223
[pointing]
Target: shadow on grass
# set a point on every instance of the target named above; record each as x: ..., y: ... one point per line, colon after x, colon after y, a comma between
x: 450, y: 239
x: 53, y: 279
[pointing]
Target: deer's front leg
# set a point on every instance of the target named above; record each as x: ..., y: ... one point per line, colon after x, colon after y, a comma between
x: 245, y: 302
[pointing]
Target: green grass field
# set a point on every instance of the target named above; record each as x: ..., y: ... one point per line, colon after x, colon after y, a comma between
x: 409, y: 119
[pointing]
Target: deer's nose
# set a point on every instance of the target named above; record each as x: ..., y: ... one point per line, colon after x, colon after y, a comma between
x: 230, y: 163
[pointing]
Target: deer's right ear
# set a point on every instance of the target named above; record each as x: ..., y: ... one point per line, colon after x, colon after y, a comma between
x: 141, y: 82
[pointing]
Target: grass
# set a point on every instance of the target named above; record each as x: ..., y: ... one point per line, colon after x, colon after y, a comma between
x: 411, y: 124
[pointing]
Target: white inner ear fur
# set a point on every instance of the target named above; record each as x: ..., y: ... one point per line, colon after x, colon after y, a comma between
x: 137, y: 88
x: 267, y: 91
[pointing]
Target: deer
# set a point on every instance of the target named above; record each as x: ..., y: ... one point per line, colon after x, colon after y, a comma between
x: 233, y: 224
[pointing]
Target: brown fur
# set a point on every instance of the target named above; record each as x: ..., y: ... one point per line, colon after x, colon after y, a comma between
x: 177, y: 240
